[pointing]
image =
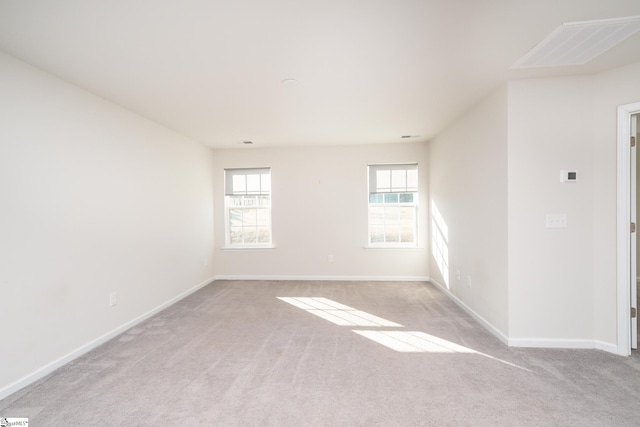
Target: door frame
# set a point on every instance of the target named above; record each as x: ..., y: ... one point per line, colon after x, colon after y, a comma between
x: 623, y: 255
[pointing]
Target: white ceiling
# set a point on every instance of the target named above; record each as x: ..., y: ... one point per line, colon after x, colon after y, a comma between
x: 368, y: 71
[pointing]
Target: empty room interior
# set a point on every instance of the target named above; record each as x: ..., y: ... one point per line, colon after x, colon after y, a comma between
x: 272, y: 212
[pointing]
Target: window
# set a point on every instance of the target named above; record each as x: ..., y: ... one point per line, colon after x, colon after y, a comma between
x: 393, y: 204
x: 248, y: 207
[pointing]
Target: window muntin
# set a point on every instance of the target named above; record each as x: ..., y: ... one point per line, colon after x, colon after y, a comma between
x: 248, y: 207
x: 393, y: 204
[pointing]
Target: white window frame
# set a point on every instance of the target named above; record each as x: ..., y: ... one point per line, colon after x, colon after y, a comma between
x: 381, y: 183
x: 253, y: 187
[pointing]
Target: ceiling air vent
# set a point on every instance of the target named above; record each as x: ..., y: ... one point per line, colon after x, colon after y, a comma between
x: 576, y: 43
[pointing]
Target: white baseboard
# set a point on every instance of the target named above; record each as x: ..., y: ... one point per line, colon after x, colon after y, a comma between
x: 329, y: 278
x: 563, y: 343
x: 47, y: 369
x: 486, y: 324
x: 608, y: 347
x: 531, y: 342
x: 551, y: 343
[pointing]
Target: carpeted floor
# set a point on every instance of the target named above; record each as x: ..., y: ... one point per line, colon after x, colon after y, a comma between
x: 328, y: 354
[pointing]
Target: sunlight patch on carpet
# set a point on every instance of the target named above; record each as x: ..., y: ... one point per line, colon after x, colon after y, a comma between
x: 337, y: 313
x: 395, y: 339
x: 413, y: 342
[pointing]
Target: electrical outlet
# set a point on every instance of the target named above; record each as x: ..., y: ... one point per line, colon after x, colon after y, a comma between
x: 113, y: 299
x: 330, y: 258
x: 556, y: 220
x: 468, y: 281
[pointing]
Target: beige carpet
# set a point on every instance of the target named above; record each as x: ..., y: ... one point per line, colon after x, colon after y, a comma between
x: 328, y: 354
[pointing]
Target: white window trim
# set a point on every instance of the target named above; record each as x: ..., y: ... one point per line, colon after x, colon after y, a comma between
x: 392, y: 245
x: 256, y: 247
x: 393, y: 248
x: 227, y: 229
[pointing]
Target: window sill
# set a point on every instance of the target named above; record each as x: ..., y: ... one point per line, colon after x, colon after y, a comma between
x: 393, y: 248
x: 248, y: 248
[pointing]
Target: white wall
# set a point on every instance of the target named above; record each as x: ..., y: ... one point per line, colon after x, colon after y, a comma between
x: 562, y: 283
x: 468, y: 185
x: 550, y: 270
x: 319, y: 209
x: 93, y: 199
x: 548, y: 287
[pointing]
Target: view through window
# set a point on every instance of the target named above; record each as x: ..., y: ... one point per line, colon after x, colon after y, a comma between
x: 248, y: 207
x: 393, y: 204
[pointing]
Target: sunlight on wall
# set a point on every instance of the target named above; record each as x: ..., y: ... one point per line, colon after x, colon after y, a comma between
x: 399, y: 340
x: 439, y: 242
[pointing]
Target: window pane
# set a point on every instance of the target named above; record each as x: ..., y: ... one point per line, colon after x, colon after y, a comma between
x: 376, y: 215
x: 406, y: 234
x: 234, y: 201
x: 392, y: 215
x: 392, y: 234
x: 235, y: 217
x: 239, y: 184
x: 249, y: 217
x: 383, y: 180
x: 407, y: 214
x: 250, y: 235
x: 412, y: 180
x: 263, y: 217
x: 235, y: 235
x: 399, y: 180
x: 391, y: 198
x: 376, y: 198
x: 264, y: 235
x: 253, y: 183
x: 265, y: 183
x: 406, y: 198
x: 377, y: 234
